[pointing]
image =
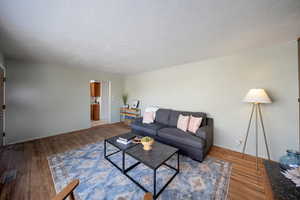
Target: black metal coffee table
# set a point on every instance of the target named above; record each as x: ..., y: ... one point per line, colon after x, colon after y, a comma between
x: 156, y: 157
x: 121, y: 147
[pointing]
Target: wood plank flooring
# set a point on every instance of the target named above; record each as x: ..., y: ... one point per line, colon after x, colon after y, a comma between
x: 34, y: 179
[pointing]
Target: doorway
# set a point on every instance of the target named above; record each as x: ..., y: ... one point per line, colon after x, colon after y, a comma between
x: 100, y: 100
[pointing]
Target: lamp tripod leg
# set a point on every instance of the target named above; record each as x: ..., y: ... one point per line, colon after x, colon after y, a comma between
x: 249, y: 124
x: 263, y: 129
x: 256, y: 135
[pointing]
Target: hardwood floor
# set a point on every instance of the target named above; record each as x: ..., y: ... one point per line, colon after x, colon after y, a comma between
x: 34, y: 181
x: 245, y: 181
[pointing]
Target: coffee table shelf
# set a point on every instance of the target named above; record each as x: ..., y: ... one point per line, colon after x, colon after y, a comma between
x: 121, y: 148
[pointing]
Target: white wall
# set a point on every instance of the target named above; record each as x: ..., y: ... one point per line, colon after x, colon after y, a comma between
x: 217, y: 87
x: 44, y: 100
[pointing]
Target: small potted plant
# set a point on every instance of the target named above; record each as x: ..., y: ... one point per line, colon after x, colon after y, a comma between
x: 147, y: 143
x: 125, y: 98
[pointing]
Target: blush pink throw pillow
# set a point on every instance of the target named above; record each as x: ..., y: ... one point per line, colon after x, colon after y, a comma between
x: 183, y: 122
x: 194, y: 124
x: 148, y: 117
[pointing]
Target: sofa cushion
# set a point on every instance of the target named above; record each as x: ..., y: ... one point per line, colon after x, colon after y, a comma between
x: 162, y: 116
x: 174, y: 117
x: 200, y: 114
x: 183, y: 122
x: 148, y: 117
x: 174, y: 135
x: 194, y: 124
x: 174, y: 114
x: 151, y: 129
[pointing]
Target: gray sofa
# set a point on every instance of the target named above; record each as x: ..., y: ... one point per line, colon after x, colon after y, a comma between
x: 164, y: 130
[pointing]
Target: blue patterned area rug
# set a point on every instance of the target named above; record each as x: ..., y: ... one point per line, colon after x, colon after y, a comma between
x: 99, y: 179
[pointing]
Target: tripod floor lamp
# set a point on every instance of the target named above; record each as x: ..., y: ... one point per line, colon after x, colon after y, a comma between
x: 257, y: 97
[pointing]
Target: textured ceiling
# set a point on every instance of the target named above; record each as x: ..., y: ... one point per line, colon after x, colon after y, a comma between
x: 131, y: 36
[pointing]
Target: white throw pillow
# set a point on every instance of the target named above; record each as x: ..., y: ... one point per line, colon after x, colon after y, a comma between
x: 148, y: 118
x: 152, y: 109
x: 194, y: 124
x: 183, y: 122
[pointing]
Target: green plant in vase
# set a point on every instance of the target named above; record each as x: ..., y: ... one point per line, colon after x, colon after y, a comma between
x: 125, y: 98
x: 147, y: 143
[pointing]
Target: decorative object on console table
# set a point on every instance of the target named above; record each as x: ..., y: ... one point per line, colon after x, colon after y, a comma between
x: 135, y: 104
x: 125, y: 98
x: 290, y: 160
x: 128, y: 115
x: 280, y: 188
x: 257, y: 97
x: 293, y: 175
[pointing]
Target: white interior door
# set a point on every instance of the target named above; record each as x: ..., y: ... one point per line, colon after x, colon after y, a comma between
x: 105, y: 101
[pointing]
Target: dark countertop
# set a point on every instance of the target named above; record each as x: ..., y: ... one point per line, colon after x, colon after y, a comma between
x: 282, y: 187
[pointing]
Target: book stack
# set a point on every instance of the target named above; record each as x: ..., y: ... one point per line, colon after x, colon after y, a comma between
x: 128, y: 115
x: 125, y: 139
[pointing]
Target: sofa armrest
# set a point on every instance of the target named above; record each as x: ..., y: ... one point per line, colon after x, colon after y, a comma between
x: 137, y: 120
x: 206, y: 133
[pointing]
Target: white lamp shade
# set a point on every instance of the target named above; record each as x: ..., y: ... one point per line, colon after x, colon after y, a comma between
x: 257, y: 96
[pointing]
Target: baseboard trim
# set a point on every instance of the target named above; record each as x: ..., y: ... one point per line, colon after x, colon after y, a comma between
x: 239, y: 154
x: 69, y: 132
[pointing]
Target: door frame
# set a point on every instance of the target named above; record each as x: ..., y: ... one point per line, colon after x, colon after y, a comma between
x: 3, y: 142
x: 109, y: 98
x: 109, y: 101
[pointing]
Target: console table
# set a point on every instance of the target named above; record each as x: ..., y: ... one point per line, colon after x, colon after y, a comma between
x: 281, y: 187
x: 127, y: 115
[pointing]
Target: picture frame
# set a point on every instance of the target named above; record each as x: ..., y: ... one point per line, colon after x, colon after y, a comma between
x: 135, y: 104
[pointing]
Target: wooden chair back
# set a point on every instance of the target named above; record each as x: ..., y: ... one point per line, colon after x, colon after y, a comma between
x: 67, y: 191
x: 148, y: 196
